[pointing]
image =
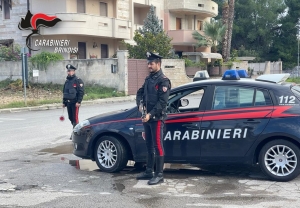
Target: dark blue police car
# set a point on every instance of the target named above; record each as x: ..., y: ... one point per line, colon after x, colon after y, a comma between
x: 226, y: 121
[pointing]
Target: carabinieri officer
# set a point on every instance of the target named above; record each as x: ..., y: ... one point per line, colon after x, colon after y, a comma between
x: 154, y: 93
x: 73, y: 92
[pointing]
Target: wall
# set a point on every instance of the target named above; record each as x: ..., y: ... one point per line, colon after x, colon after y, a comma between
x: 272, y: 67
x: 92, y: 71
x: 9, y: 27
x: 45, y: 6
x: 130, y: 75
x: 174, y: 69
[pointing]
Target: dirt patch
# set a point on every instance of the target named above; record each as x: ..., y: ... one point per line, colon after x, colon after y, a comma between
x: 32, y: 94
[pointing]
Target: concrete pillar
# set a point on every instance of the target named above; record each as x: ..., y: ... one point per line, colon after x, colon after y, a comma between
x: 267, y: 67
x: 123, y: 69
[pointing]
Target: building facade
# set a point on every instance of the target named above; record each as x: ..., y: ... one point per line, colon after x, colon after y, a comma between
x: 97, y: 27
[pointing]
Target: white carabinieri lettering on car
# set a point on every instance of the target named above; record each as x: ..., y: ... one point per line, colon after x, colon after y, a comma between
x: 207, y: 134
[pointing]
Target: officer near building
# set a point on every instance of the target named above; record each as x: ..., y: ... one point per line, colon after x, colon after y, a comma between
x: 73, y: 92
x: 152, y: 99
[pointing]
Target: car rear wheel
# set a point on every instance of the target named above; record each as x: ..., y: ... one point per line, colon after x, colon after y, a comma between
x: 279, y: 160
x: 110, y: 154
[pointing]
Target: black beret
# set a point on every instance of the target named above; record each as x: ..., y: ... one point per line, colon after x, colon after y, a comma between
x: 152, y: 56
x: 69, y: 67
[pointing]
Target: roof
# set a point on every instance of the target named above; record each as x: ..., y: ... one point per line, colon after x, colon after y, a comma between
x: 245, y: 82
x: 203, y: 55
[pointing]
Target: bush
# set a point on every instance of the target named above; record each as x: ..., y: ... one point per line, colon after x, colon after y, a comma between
x: 10, y: 53
x: 190, y: 63
x: 42, y: 60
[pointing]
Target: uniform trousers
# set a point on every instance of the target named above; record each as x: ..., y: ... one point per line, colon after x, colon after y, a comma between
x: 73, y: 113
x: 154, y: 131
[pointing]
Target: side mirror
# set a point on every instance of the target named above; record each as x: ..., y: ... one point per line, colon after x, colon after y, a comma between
x: 184, y: 102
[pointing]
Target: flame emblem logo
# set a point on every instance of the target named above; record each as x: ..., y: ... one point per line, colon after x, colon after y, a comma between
x: 34, y: 22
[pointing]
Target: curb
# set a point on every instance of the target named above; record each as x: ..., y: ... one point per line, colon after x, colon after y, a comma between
x: 58, y: 106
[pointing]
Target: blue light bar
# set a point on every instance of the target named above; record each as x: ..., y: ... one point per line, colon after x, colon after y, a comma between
x: 231, y: 74
x: 243, y: 73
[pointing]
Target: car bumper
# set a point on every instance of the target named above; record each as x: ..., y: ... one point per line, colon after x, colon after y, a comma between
x: 80, y: 144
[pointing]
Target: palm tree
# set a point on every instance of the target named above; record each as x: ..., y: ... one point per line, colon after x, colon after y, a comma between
x: 213, y: 34
x: 230, y: 25
x: 225, y: 22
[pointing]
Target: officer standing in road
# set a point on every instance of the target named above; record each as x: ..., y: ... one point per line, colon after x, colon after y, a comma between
x: 73, y: 92
x: 154, y: 96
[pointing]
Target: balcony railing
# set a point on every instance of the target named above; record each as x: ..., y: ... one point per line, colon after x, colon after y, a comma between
x: 208, y: 7
x: 183, y: 37
x: 92, y: 25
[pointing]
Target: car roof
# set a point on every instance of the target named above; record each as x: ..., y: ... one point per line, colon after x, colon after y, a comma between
x: 242, y: 81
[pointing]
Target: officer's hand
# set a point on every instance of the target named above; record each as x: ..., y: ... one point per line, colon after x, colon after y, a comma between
x: 64, y: 105
x: 146, y: 119
x: 77, y: 105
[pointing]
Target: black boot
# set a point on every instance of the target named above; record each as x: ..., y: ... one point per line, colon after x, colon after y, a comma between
x: 148, y: 174
x: 158, y: 176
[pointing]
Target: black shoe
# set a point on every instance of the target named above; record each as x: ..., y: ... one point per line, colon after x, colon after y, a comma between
x: 148, y: 174
x: 159, y: 178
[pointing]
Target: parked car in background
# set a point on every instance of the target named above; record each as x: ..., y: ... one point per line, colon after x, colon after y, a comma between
x: 201, y: 75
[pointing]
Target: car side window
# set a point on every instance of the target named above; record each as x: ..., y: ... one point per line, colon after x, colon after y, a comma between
x: 185, y: 101
x: 226, y: 97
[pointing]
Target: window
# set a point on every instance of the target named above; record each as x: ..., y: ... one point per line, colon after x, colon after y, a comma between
x: 239, y: 97
x: 200, y: 25
x: 82, y: 50
x: 200, y: 5
x: 6, y: 8
x: 178, y: 23
x: 185, y: 101
x: 104, y: 51
x: 80, y: 6
x: 162, y: 24
x: 103, y: 9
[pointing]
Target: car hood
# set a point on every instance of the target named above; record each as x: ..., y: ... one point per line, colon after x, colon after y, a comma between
x: 110, y: 116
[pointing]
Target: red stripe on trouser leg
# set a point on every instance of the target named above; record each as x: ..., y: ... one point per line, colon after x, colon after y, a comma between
x: 158, y: 138
x: 76, y: 114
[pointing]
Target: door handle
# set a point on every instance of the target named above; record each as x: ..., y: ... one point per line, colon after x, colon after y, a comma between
x: 191, y: 126
x: 252, y: 121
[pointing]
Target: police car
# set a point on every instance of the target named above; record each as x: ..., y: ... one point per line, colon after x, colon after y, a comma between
x: 226, y: 121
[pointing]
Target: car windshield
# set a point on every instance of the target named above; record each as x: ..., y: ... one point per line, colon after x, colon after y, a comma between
x: 296, y: 91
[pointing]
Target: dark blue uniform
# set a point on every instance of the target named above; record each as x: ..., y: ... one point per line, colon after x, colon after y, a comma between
x: 154, y: 93
x: 73, y: 92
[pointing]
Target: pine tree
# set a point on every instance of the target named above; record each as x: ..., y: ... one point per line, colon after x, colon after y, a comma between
x: 151, y: 23
x: 151, y: 37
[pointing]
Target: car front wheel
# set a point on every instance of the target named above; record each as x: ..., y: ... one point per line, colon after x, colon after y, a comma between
x: 110, y: 154
x: 279, y: 160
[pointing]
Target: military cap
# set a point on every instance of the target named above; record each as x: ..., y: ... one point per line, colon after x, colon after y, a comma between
x: 152, y: 56
x: 70, y: 67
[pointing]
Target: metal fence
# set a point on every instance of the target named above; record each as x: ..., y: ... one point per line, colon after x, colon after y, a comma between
x: 295, y: 72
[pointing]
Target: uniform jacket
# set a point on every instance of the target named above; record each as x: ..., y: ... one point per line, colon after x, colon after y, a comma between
x: 73, y: 90
x: 155, y: 93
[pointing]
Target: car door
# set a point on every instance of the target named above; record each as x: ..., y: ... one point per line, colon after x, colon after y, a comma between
x: 181, y: 137
x: 185, y: 111
x: 234, y: 120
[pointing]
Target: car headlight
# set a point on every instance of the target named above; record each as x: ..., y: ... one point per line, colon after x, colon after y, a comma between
x: 80, y: 125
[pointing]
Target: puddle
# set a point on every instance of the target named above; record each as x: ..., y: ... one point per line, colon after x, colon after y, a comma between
x: 59, y: 150
x: 118, y: 186
x: 178, y: 171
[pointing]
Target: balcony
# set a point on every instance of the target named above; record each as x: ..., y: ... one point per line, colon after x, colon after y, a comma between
x: 183, y: 37
x: 90, y: 25
x: 195, y: 7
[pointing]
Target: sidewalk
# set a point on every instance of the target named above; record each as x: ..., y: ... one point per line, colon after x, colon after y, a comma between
x: 59, y: 105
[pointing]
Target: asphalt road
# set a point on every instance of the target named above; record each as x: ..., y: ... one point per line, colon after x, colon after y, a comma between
x: 35, y: 171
